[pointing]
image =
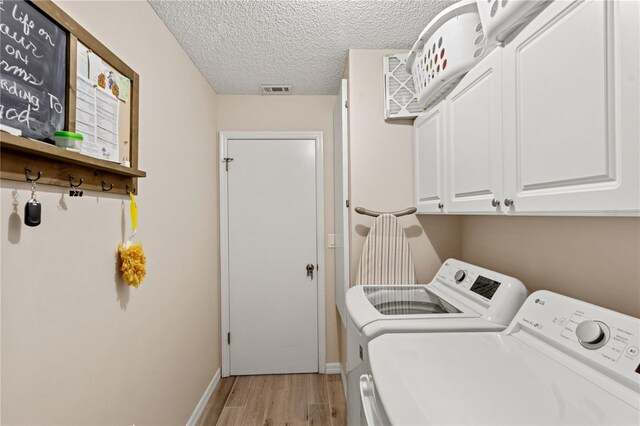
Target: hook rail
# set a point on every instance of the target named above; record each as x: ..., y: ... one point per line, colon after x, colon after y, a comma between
x: 72, y: 179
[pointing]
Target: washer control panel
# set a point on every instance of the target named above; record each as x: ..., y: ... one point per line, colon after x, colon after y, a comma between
x: 496, y: 296
x: 482, y: 283
x: 609, y: 338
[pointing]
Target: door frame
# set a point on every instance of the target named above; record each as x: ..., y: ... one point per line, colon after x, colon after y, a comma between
x: 341, y: 195
x: 224, y: 137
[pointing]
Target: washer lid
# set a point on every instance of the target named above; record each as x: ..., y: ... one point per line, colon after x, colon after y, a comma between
x: 484, y: 378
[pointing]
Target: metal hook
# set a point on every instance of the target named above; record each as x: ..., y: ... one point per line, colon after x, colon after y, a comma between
x: 74, y: 185
x: 129, y: 190
x: 104, y: 186
x: 27, y: 174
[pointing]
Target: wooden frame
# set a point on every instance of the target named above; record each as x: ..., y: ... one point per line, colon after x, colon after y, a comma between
x: 57, y: 164
x: 224, y: 238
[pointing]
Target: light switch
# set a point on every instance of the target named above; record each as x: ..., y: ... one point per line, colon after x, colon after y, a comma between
x: 332, y: 241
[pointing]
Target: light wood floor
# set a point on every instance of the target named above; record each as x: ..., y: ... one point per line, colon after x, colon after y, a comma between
x: 289, y: 399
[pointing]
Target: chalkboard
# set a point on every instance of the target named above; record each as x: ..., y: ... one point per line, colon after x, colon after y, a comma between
x: 33, y: 70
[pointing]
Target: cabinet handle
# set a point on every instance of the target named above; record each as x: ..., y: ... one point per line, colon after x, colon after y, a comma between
x: 440, y: 205
x: 495, y: 202
x: 508, y: 202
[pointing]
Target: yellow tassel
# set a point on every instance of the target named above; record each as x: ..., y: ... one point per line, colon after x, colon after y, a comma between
x: 133, y: 263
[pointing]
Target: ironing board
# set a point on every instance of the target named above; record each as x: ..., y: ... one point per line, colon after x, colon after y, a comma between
x: 386, y: 258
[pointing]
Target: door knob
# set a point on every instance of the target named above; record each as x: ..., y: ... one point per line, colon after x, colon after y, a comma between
x: 495, y: 202
x: 310, y: 268
x: 508, y: 202
x: 440, y: 205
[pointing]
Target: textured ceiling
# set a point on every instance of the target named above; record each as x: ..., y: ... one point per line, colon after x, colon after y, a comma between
x: 239, y: 45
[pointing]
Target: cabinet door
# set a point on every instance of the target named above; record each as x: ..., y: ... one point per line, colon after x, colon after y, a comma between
x: 571, y: 110
x: 474, y: 140
x: 428, y: 140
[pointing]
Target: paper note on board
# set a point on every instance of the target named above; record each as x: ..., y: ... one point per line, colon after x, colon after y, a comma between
x: 95, y: 67
x: 86, y: 115
x: 97, y: 121
x: 125, y: 87
x: 83, y: 60
x: 105, y: 77
x: 107, y: 124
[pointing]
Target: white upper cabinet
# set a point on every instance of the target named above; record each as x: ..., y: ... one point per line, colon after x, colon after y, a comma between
x: 571, y: 126
x: 429, y: 159
x: 474, y: 140
x: 549, y: 124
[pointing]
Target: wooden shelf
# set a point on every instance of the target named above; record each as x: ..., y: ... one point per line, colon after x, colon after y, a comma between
x: 57, y: 164
x: 45, y: 150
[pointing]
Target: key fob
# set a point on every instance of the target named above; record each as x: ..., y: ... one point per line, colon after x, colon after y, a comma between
x: 32, y: 213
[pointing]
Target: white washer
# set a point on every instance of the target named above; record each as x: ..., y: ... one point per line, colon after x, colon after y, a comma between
x: 560, y: 361
x: 462, y: 297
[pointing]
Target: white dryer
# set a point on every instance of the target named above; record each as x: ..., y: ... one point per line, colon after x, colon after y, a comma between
x: 461, y: 298
x: 561, y: 361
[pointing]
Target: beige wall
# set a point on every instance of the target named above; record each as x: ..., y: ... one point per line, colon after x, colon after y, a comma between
x: 381, y: 173
x: 78, y: 346
x: 381, y: 170
x: 596, y: 259
x: 294, y: 113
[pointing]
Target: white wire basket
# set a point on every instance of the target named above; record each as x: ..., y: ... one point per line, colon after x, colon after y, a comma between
x: 446, y: 50
x: 502, y: 18
x: 400, y: 99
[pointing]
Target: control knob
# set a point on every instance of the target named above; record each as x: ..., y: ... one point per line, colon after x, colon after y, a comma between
x: 460, y: 275
x: 591, y: 334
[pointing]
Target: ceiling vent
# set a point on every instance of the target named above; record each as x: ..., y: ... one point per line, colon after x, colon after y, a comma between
x: 275, y: 89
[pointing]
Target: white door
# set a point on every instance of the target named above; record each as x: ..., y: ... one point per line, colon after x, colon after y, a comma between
x: 271, y: 201
x: 428, y: 139
x: 474, y: 139
x: 341, y: 197
x: 571, y: 110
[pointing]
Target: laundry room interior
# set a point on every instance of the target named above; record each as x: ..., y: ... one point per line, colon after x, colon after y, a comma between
x: 319, y: 212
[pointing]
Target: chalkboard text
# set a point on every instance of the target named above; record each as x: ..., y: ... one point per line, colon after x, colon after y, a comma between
x: 32, y: 70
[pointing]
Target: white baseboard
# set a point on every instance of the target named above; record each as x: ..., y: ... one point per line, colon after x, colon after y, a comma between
x: 343, y: 376
x: 193, y: 420
x: 332, y: 368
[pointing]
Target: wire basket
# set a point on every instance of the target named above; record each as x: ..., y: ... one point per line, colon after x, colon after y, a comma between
x: 447, y: 49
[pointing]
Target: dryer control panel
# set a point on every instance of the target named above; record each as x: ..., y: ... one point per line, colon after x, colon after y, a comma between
x: 609, y: 339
